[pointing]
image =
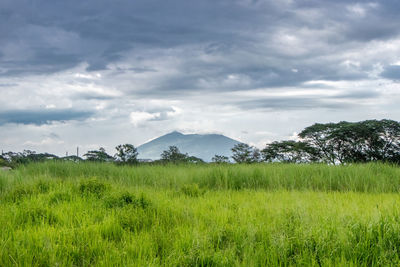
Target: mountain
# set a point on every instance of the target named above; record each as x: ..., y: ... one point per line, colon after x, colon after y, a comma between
x: 204, y: 146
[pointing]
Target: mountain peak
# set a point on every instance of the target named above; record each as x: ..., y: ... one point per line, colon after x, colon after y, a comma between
x: 174, y: 133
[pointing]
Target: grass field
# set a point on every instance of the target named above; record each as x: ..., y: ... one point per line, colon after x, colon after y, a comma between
x: 66, y: 214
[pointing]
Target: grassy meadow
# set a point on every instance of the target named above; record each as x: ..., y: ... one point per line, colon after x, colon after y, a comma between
x: 88, y: 214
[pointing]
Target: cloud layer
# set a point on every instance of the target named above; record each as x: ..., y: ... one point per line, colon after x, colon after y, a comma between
x: 40, y: 117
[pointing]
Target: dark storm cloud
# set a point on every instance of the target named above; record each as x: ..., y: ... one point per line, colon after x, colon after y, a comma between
x: 92, y: 96
x: 340, y: 101
x: 98, y: 32
x: 391, y: 72
x: 239, y: 37
x: 290, y: 103
x: 42, y: 116
x: 357, y: 94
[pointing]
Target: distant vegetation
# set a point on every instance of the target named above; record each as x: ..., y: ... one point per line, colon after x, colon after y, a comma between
x: 333, y: 143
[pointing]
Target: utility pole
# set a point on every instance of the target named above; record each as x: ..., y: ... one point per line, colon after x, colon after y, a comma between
x: 77, y: 151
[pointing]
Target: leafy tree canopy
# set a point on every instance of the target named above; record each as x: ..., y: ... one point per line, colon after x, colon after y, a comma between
x: 243, y: 153
x: 172, y: 154
x: 220, y: 159
x: 290, y: 152
x: 126, y: 154
x: 364, y: 141
x: 98, y: 155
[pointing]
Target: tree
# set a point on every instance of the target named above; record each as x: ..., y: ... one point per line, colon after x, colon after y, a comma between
x: 98, y: 155
x: 173, y: 155
x: 25, y: 157
x: 126, y: 154
x: 32, y: 156
x: 15, y: 158
x: 243, y: 153
x: 346, y: 142
x: 383, y: 141
x: 289, y: 151
x: 220, y: 159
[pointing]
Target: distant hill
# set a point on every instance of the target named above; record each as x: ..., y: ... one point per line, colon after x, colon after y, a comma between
x: 203, y: 146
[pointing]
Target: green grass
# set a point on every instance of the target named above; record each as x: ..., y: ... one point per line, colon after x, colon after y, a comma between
x: 66, y: 214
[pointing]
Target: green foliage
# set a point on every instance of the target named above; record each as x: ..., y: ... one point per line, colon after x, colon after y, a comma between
x: 220, y: 159
x: 92, y: 187
x: 135, y: 220
x: 98, y: 155
x: 112, y: 231
x: 59, y: 197
x: 42, y: 186
x: 126, y: 199
x: 347, y: 142
x: 3, y: 162
x: 173, y: 155
x: 243, y: 153
x: 126, y: 154
x: 289, y: 152
x: 3, y: 184
x: 368, y: 178
x: 200, y: 215
x: 35, y: 216
x: 192, y: 190
x: 18, y: 193
x: 13, y: 159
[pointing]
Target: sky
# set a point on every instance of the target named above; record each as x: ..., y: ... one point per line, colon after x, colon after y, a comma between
x: 98, y: 73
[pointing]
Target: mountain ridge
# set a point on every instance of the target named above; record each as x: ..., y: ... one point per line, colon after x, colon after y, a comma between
x: 204, y: 146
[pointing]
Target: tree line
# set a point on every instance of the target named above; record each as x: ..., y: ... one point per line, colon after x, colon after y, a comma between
x: 333, y: 143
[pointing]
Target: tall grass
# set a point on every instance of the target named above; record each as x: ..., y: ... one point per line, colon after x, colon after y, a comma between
x: 62, y: 214
x: 372, y: 177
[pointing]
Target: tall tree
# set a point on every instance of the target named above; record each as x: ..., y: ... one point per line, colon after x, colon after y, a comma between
x: 363, y: 141
x: 98, y: 155
x: 243, y: 153
x: 290, y: 152
x: 172, y: 154
x: 126, y: 154
x: 220, y: 159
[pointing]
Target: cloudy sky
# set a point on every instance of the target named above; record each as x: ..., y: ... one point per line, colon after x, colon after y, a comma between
x: 100, y: 73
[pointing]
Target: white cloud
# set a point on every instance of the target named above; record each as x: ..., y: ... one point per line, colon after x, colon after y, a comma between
x: 138, y: 117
